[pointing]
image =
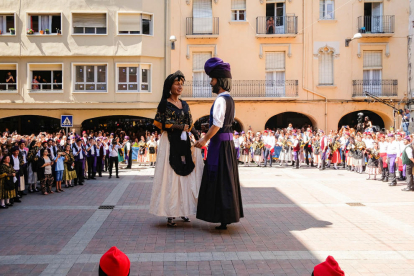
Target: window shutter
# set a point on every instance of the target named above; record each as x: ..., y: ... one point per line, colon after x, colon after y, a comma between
x: 199, y: 60
x: 372, y: 59
x: 275, y: 61
x: 326, y: 69
x: 202, y: 9
x: 97, y: 20
x: 129, y: 22
x: 238, y: 4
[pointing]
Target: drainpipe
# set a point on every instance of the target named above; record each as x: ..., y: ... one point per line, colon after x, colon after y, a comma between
x: 303, y: 69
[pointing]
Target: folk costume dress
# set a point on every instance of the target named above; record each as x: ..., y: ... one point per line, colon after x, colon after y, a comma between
x: 257, y: 151
x: 177, y: 177
x: 7, y: 189
x: 141, y: 151
x: 220, y: 197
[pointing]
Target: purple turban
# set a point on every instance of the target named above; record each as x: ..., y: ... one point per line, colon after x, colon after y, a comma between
x: 127, y: 137
x: 391, y: 135
x: 236, y: 133
x: 216, y: 68
x: 407, y: 138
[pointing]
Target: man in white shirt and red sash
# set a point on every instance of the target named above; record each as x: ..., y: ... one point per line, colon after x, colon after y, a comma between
x: 219, y: 200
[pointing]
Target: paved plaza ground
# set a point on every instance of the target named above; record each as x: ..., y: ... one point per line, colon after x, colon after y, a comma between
x: 293, y: 220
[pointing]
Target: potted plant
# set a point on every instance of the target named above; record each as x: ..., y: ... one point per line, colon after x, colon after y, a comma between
x: 41, y: 32
x: 12, y: 31
x: 47, y: 31
x: 58, y: 31
x: 30, y: 31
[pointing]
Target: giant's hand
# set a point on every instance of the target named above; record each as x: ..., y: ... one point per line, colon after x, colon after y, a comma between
x: 200, y: 143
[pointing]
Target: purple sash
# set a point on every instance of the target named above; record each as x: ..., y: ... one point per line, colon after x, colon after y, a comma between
x: 214, y: 150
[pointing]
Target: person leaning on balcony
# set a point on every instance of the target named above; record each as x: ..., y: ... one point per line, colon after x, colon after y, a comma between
x: 178, y: 170
x: 270, y: 25
x: 34, y: 81
x: 10, y: 78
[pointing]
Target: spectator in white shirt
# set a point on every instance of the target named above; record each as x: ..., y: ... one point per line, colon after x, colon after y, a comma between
x: 113, y: 156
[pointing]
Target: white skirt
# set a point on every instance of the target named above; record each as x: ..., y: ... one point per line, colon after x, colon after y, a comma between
x: 174, y: 195
x: 285, y: 156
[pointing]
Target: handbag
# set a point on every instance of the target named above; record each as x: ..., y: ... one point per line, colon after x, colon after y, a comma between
x: 8, y: 183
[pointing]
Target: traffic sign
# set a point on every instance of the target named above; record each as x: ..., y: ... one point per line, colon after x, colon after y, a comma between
x: 66, y: 121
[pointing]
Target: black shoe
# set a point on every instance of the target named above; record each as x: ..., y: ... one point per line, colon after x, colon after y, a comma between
x: 30, y: 191
x: 3, y: 207
x: 222, y: 227
x: 406, y: 189
x: 400, y: 179
x: 117, y: 176
x: 9, y: 204
x: 17, y: 200
x: 100, y: 175
x: 385, y: 179
x: 36, y: 190
x: 81, y: 184
x: 392, y: 184
x: 110, y: 176
x: 93, y: 178
x: 23, y: 193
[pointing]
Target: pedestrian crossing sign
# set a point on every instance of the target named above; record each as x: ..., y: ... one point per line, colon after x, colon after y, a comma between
x: 66, y: 121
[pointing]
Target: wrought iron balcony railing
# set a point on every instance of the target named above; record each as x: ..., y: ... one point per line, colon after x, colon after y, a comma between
x: 380, y: 88
x: 8, y: 86
x: 245, y: 88
x: 271, y: 25
x: 202, y: 26
x: 376, y: 24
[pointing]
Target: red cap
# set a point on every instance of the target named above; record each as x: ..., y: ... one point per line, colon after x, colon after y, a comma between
x: 265, y: 131
x: 330, y: 267
x: 115, y: 263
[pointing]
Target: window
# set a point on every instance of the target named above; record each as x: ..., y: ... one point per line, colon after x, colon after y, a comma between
x: 133, y: 78
x: 7, y: 23
x: 45, y: 77
x: 373, y: 72
x: 202, y: 17
x: 90, y: 78
x: 327, y: 9
x: 201, y: 81
x: 8, y: 77
x: 130, y: 23
x: 45, y: 23
x: 326, y: 74
x: 275, y: 74
x: 238, y: 10
x: 89, y: 23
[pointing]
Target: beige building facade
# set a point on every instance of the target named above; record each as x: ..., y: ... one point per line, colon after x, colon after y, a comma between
x: 289, y: 59
x: 85, y: 58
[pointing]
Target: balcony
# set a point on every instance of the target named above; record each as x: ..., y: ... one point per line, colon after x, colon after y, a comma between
x: 8, y: 87
x: 376, y: 26
x: 245, y: 89
x: 281, y: 26
x: 379, y: 88
x: 206, y: 27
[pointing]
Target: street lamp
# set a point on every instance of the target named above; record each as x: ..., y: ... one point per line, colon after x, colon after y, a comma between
x: 173, y: 39
x: 356, y: 36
